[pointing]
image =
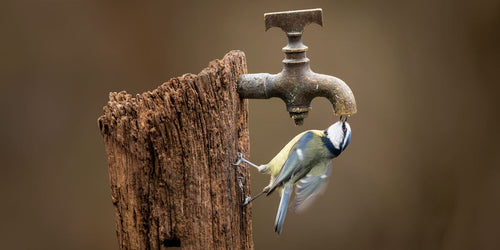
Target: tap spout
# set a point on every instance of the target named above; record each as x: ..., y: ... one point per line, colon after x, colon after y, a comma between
x: 296, y: 84
x: 336, y: 91
x: 298, y: 90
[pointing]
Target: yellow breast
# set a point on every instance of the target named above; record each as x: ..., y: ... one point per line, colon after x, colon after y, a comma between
x: 279, y: 160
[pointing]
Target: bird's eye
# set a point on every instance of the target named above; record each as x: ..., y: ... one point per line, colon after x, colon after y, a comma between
x: 344, y: 129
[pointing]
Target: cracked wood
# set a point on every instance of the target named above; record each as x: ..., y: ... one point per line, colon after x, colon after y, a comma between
x: 169, y: 154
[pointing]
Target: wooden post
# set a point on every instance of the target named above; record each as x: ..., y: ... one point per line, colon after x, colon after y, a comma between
x: 170, y: 153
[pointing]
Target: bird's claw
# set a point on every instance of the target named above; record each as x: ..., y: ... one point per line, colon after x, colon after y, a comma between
x: 247, y: 200
x: 240, y: 157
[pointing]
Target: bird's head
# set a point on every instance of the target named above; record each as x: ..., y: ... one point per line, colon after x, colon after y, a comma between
x: 339, y: 134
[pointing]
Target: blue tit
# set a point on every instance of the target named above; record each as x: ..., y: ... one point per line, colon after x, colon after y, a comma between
x: 305, y: 162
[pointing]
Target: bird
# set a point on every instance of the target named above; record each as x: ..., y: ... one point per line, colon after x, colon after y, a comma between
x: 304, y: 162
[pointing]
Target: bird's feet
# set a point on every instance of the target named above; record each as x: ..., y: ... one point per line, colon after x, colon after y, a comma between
x: 247, y: 201
x: 250, y: 199
x: 240, y: 159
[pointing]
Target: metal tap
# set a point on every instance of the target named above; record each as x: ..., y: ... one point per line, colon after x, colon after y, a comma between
x: 296, y: 84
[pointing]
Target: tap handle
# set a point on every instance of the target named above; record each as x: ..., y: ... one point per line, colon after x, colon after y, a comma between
x: 293, y: 22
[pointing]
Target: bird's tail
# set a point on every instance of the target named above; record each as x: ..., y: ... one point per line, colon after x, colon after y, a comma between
x: 285, y: 199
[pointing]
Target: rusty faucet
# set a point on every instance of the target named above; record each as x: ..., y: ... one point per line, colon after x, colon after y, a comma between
x: 297, y: 84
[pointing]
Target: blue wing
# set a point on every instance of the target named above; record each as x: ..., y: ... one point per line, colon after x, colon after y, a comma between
x: 309, y: 186
x: 294, y: 161
x: 285, y: 199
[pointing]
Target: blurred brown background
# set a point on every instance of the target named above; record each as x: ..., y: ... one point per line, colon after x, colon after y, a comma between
x: 421, y: 172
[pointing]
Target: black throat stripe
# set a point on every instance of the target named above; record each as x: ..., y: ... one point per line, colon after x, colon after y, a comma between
x: 329, y: 145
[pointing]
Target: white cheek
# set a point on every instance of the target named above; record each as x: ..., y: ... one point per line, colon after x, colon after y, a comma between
x: 335, y: 134
x: 335, y: 139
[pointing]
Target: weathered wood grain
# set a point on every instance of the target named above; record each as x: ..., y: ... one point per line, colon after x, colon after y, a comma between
x: 169, y: 155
